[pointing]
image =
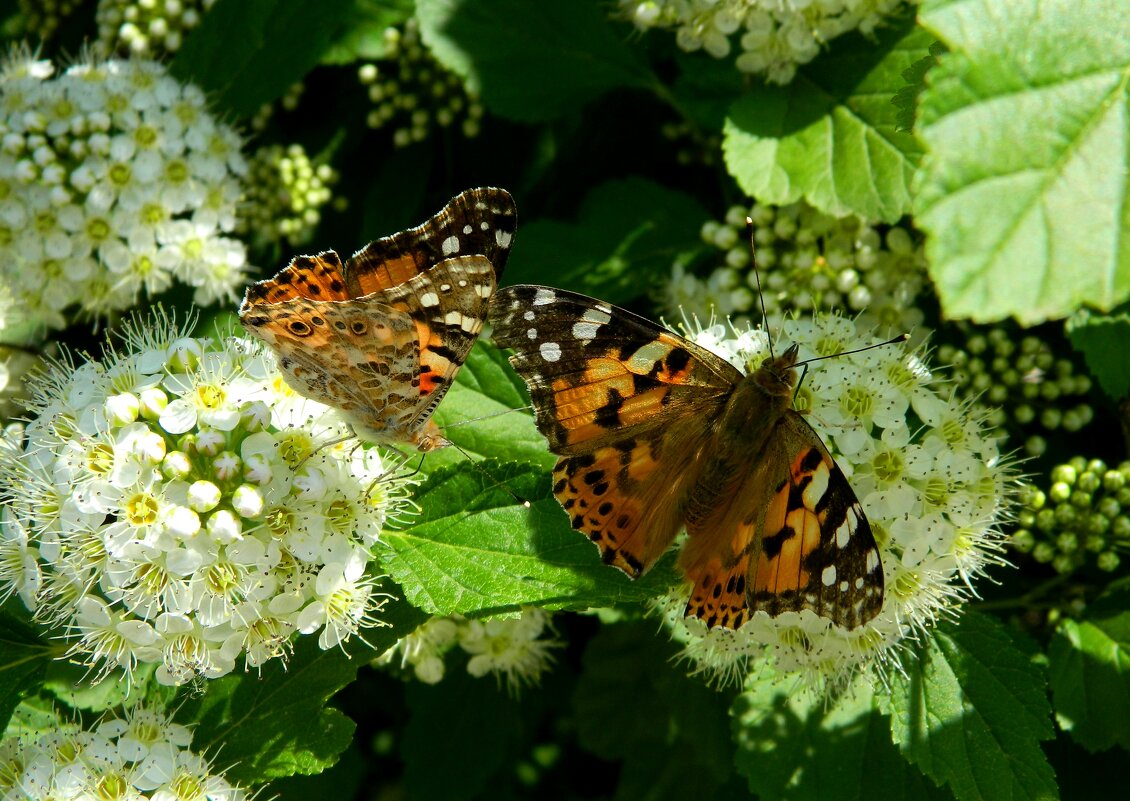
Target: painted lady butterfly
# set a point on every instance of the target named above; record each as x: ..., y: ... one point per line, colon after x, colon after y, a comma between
x: 382, y: 337
x: 655, y: 433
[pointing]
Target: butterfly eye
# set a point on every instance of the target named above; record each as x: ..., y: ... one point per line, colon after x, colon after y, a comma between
x: 299, y: 328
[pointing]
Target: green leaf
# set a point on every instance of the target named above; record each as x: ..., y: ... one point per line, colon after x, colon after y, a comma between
x: 1102, y: 340
x: 446, y: 727
x: 706, y: 87
x: 906, y: 99
x: 474, y: 551
x: 627, y: 236
x: 972, y: 710
x: 1090, y: 672
x: 276, y: 722
x: 486, y: 413
x: 823, y: 750
x: 531, y: 61
x: 832, y: 136
x: 24, y: 659
x: 635, y: 703
x: 248, y: 52
x: 364, y: 38
x: 1023, y: 193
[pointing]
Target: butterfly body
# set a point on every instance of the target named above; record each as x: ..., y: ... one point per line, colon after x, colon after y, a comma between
x: 656, y: 434
x: 381, y: 337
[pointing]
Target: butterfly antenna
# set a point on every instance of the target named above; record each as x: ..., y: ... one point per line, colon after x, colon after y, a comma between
x: 494, y: 481
x: 891, y: 341
x: 757, y: 274
x: 526, y: 408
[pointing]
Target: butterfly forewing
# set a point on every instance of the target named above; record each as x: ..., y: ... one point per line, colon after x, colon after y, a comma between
x: 598, y: 373
x: 475, y: 222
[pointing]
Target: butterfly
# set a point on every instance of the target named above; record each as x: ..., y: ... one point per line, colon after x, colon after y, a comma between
x: 655, y: 433
x: 381, y: 337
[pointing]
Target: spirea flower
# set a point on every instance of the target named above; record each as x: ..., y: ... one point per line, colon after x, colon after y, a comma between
x: 808, y: 261
x: 114, y: 181
x: 774, y: 36
x: 1081, y: 519
x: 140, y: 755
x: 176, y: 503
x: 413, y: 94
x: 1024, y: 387
x: 285, y: 196
x: 516, y: 649
x: 927, y: 474
x: 147, y: 27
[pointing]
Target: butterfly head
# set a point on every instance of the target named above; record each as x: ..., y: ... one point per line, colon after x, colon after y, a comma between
x: 776, y: 376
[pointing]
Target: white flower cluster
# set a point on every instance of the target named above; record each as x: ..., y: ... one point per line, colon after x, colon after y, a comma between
x: 513, y: 648
x: 775, y: 36
x: 147, y: 27
x: 140, y: 756
x: 172, y: 505
x: 114, y: 179
x: 930, y: 480
x: 808, y: 261
x: 413, y: 92
x: 285, y: 195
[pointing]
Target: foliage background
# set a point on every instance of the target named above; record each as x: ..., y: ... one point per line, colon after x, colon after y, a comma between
x: 1000, y: 128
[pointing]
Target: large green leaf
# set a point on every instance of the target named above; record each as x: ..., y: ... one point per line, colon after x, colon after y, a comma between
x: 972, y: 709
x: 276, y: 722
x: 475, y: 550
x: 249, y: 52
x: 365, y: 27
x: 1102, y: 339
x: 1090, y: 672
x: 801, y: 745
x: 486, y: 413
x: 627, y: 236
x: 531, y: 61
x: 832, y: 136
x: 634, y: 703
x: 24, y: 659
x: 1023, y: 193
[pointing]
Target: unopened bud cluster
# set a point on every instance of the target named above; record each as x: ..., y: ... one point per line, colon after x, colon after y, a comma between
x: 147, y: 27
x: 1081, y: 519
x: 808, y: 261
x: 1020, y: 383
x: 285, y: 196
x: 413, y: 94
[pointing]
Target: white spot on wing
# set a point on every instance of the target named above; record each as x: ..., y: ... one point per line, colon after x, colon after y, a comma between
x: 453, y: 318
x: 645, y: 358
x: 445, y: 287
x: 585, y: 331
x: 529, y: 315
x: 429, y: 299
x: 502, y: 238
x: 543, y: 297
x: 847, y: 528
x: 484, y: 225
x: 467, y: 229
x: 816, y: 487
x: 597, y: 315
x: 872, y: 561
x: 483, y: 290
x: 550, y: 351
x: 828, y: 577
x: 843, y: 586
x: 532, y: 333
x: 450, y: 245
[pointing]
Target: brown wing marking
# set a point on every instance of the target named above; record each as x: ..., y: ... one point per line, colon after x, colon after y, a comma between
x: 478, y: 221
x: 625, y: 497
x: 310, y: 277
x: 717, y: 554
